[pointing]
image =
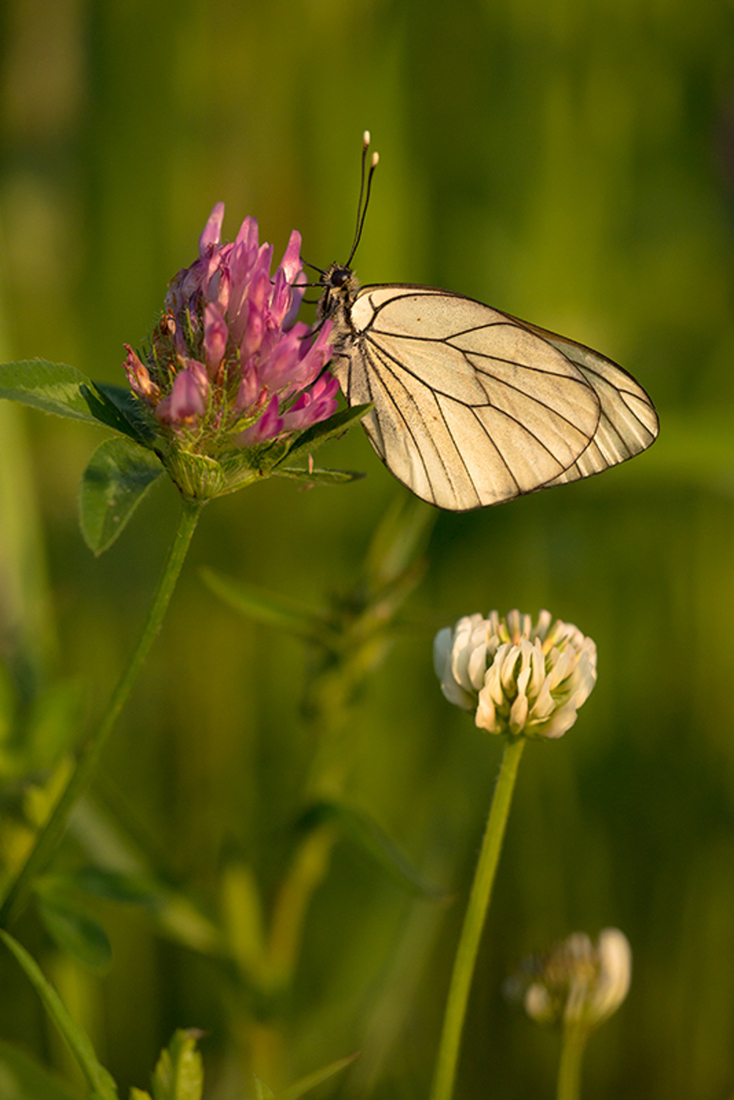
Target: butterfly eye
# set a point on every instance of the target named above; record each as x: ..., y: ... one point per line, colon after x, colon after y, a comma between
x: 340, y: 276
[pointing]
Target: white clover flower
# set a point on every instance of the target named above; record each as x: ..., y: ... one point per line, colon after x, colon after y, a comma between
x: 577, y: 982
x: 520, y: 679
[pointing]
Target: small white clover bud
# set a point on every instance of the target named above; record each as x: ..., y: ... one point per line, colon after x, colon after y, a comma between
x: 520, y: 679
x: 577, y: 983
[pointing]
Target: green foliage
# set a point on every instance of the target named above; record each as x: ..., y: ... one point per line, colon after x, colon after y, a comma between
x: 122, y: 470
x: 65, y: 391
x: 117, y: 478
x: 311, y: 1080
x: 99, y: 1080
x: 370, y: 839
x: 124, y: 888
x: 179, y: 1073
x: 273, y: 608
x: 23, y: 1079
x: 75, y: 931
x: 34, y: 735
x: 125, y: 873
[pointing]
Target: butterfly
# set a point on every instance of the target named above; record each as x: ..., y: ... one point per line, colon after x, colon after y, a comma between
x: 472, y: 406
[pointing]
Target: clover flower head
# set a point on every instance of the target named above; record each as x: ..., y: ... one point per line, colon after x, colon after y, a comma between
x: 521, y: 678
x: 577, y: 982
x: 228, y: 364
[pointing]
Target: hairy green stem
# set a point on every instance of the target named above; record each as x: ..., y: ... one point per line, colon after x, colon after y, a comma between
x: 88, y: 755
x: 466, y: 953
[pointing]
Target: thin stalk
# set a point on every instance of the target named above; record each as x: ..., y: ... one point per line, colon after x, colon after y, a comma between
x: 569, y: 1070
x: 307, y: 871
x: 88, y: 755
x: 466, y: 953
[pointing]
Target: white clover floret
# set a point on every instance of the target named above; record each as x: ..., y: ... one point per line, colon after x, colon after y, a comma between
x: 520, y: 679
x: 578, y: 983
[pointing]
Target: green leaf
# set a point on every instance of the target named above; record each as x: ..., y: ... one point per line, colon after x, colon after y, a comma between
x: 74, y: 931
x: 58, y: 389
x: 305, y: 1084
x: 318, y: 434
x: 262, y: 1092
x: 179, y: 1074
x: 117, y: 478
x: 318, y: 476
x: 123, y: 412
x: 139, y: 1094
x: 100, y: 1081
x: 370, y: 839
x: 22, y: 1078
x: 53, y: 387
x: 272, y: 608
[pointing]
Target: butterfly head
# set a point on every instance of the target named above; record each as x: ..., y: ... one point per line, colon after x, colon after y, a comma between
x: 340, y: 289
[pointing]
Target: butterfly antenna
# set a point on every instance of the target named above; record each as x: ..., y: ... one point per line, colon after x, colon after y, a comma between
x: 364, y: 194
x: 313, y: 268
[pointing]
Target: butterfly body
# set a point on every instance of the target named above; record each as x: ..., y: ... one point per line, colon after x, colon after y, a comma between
x: 472, y: 406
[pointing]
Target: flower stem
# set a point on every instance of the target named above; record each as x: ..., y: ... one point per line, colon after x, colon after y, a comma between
x: 466, y: 954
x: 88, y: 754
x: 569, y: 1070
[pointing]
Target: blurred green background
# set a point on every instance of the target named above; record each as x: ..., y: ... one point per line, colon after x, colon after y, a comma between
x: 570, y: 161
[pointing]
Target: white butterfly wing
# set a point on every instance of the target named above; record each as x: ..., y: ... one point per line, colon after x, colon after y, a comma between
x: 473, y: 407
x: 628, y: 423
